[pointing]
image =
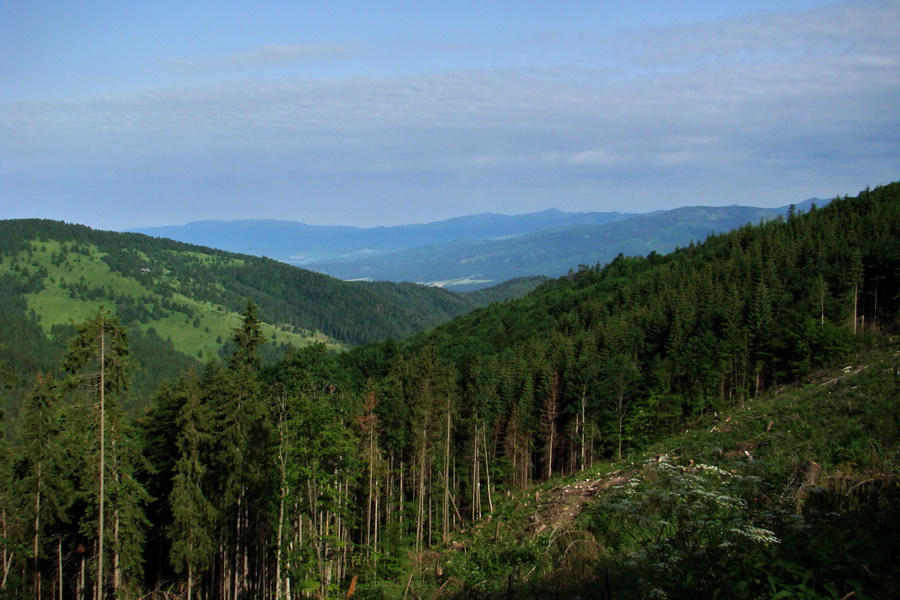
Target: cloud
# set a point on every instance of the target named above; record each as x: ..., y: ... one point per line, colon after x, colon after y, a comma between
x: 792, y: 105
x: 266, y: 56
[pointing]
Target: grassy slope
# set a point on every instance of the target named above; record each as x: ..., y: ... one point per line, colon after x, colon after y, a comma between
x: 825, y: 452
x: 182, y: 302
x: 54, y: 304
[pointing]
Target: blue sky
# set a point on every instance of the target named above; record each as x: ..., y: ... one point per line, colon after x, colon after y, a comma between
x: 126, y: 114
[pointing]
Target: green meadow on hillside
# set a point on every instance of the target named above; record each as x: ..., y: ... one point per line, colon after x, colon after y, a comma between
x: 77, y: 282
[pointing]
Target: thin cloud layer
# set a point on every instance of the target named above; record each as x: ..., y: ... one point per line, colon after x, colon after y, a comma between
x: 758, y: 110
x: 266, y: 56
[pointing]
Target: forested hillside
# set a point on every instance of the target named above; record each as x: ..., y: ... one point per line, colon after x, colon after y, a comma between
x: 468, y: 263
x: 404, y: 469
x: 346, y: 312
x: 180, y: 302
x: 301, y: 244
x: 473, y: 252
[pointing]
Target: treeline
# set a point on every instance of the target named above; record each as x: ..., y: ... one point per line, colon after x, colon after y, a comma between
x: 350, y: 312
x: 28, y: 351
x: 168, y: 275
x: 320, y: 472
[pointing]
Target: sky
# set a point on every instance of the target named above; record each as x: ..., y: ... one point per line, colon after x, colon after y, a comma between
x: 124, y: 114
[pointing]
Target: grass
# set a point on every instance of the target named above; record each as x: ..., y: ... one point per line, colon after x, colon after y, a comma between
x: 54, y: 304
x: 844, y: 421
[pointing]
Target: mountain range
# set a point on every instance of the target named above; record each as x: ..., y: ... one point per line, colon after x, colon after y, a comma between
x: 720, y: 421
x: 470, y: 252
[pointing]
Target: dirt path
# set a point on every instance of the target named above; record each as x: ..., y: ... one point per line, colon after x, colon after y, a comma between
x: 561, y: 505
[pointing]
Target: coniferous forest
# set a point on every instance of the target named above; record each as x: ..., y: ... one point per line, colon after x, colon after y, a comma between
x: 418, y: 468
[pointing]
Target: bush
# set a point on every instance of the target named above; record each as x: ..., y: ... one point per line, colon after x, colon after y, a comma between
x: 685, y: 531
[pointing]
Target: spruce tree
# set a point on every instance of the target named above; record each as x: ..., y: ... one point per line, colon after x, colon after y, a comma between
x: 10, y: 535
x: 99, y: 365
x: 193, y: 514
x: 241, y: 462
x: 44, y: 487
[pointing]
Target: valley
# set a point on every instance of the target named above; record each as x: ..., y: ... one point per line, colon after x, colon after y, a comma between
x: 473, y: 252
x: 716, y: 421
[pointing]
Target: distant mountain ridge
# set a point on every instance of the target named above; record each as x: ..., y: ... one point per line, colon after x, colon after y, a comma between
x: 474, y: 251
x: 284, y: 240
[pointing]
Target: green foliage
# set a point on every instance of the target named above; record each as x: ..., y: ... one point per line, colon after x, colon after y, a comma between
x: 685, y: 530
x: 193, y: 514
x: 705, y: 326
x: 75, y: 456
x: 176, y: 300
x: 753, y: 503
x: 306, y: 470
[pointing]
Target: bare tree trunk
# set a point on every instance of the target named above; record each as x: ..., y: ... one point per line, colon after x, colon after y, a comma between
x: 244, y: 546
x: 514, y: 437
x: 284, y: 491
x: 593, y: 434
x: 549, y: 415
x: 476, y: 478
x: 117, y: 570
x: 375, y: 542
x: 80, y: 581
x: 279, y: 543
x: 420, y: 517
x: 59, y: 566
x: 822, y: 304
x: 400, y: 495
x: 487, y: 472
x: 371, y: 493
x: 620, y: 413
x: 101, y: 521
x: 37, y: 535
x: 223, y: 581
x: 583, y: 423
x: 445, y: 525
x: 430, y: 495
x: 7, y: 555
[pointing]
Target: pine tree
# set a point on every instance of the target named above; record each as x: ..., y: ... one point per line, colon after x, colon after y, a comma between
x: 44, y: 486
x: 549, y: 415
x: 10, y: 534
x: 317, y: 453
x: 240, y: 462
x: 248, y: 339
x: 620, y: 375
x: 193, y: 514
x: 99, y: 365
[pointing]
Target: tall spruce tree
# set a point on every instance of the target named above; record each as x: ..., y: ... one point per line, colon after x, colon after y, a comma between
x: 99, y: 365
x: 8, y: 538
x: 242, y: 469
x: 317, y: 455
x: 44, y: 486
x: 193, y: 514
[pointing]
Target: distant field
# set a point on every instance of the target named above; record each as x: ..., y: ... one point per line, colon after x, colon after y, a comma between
x: 199, y: 331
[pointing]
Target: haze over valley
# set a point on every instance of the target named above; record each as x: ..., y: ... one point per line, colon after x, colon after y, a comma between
x: 475, y: 251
